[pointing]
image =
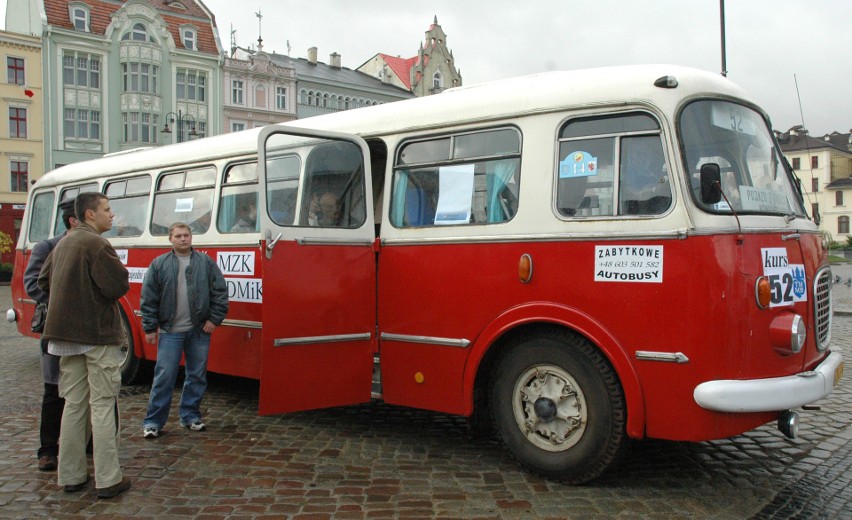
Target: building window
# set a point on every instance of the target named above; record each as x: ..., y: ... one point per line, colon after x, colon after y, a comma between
x: 18, y: 123
x: 237, y: 92
x: 237, y: 127
x: 191, y: 85
x: 79, y: 17
x: 797, y: 163
x: 81, y: 70
x: 281, y: 98
x: 20, y: 174
x: 201, y: 129
x: 815, y: 161
x: 843, y: 225
x: 838, y: 198
x: 82, y: 124
x: 15, y: 71
x: 140, y: 77
x: 437, y: 81
x: 140, y: 127
x: 189, y: 37
x: 138, y: 33
x: 814, y: 184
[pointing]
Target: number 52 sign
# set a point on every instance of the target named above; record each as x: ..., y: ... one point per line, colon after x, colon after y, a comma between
x: 786, y: 280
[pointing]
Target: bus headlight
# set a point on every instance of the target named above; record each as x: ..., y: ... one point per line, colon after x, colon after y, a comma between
x: 787, y: 333
x: 10, y: 316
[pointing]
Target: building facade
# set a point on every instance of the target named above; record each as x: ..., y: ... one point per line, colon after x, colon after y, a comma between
x: 123, y: 74
x: 21, y: 138
x: 431, y: 71
x: 257, y: 90
x: 824, y: 167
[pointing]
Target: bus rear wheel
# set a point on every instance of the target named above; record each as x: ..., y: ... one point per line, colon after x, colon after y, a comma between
x: 558, y: 407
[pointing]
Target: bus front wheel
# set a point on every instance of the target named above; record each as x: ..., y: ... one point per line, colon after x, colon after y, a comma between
x: 558, y: 407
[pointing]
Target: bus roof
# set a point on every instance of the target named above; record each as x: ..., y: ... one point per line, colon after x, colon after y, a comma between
x: 461, y: 105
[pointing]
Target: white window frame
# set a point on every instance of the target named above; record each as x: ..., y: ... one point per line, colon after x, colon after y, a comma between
x: 79, y: 12
x: 189, y: 37
x: 237, y: 91
x: 281, y: 98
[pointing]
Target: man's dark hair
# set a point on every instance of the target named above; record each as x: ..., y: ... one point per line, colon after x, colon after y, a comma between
x: 66, y: 208
x: 87, y: 201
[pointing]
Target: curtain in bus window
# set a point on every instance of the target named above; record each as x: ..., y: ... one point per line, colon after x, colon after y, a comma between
x: 412, y: 203
x: 644, y: 183
x: 497, y: 177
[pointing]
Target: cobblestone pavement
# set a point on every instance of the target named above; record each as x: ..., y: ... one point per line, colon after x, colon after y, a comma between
x: 382, y: 461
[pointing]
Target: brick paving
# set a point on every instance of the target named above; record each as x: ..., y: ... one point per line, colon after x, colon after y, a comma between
x: 381, y: 461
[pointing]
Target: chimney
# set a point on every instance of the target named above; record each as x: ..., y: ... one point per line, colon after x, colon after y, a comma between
x: 312, y: 55
x: 334, y: 60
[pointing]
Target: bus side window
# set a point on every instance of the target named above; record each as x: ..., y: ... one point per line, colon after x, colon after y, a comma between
x: 282, y: 188
x: 612, y: 165
x: 70, y: 193
x: 185, y: 196
x: 469, y: 178
x: 334, y: 193
x: 128, y: 199
x: 40, y: 213
x: 238, y: 203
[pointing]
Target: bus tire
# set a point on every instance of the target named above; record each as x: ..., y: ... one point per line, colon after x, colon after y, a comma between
x: 558, y: 407
x: 130, y: 363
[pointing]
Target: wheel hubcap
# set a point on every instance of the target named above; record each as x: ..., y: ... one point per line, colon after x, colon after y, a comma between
x: 550, y: 408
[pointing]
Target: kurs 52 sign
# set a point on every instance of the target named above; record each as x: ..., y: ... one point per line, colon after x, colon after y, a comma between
x: 786, y: 280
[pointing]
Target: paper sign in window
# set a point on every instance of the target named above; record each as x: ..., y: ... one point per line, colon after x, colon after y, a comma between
x: 183, y: 205
x: 455, y: 194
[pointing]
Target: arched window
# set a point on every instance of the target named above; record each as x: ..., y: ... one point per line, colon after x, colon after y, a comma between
x: 325, y: 100
x: 437, y: 81
x: 138, y: 33
x: 79, y: 16
x: 303, y: 97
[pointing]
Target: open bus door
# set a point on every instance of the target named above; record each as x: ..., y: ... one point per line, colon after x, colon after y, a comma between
x: 319, y: 269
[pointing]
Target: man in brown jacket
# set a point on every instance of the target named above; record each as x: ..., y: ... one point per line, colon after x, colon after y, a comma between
x: 85, y: 279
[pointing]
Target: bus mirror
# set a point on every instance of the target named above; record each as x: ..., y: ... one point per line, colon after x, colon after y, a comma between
x: 711, y: 183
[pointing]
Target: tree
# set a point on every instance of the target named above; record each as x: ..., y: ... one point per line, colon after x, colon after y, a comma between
x: 5, y: 243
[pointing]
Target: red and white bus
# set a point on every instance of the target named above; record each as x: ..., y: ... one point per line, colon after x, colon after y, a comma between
x: 579, y: 257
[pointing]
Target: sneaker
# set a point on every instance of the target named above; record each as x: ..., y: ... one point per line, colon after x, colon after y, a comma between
x: 196, y: 426
x: 151, y: 432
x: 115, y: 490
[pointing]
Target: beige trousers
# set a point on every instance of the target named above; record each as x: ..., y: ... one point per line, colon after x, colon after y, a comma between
x: 89, y: 383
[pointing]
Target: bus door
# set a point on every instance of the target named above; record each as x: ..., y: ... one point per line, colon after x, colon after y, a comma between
x: 319, y: 270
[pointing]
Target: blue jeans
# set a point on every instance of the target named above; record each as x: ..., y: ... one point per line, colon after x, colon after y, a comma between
x: 194, y: 344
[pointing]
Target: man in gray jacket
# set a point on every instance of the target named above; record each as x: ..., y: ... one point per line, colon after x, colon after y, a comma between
x: 184, y: 298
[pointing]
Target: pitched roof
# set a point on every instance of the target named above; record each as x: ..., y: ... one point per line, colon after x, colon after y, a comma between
x: 401, y: 67
x: 306, y: 71
x: 796, y: 140
x: 100, y: 16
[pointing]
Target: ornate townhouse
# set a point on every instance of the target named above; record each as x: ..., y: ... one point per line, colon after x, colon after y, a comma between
x: 258, y: 91
x: 21, y: 143
x: 430, y: 72
x: 120, y: 74
x: 825, y: 168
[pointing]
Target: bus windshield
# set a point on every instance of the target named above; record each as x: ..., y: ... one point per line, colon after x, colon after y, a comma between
x: 754, y: 178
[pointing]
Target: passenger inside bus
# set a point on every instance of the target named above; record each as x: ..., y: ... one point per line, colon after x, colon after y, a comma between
x: 246, y: 218
x: 324, y: 210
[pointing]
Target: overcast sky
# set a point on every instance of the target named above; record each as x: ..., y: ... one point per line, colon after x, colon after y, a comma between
x: 767, y: 41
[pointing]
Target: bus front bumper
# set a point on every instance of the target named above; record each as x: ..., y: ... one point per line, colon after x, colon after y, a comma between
x: 772, y: 394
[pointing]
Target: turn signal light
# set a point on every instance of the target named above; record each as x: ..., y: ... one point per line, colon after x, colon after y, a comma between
x: 525, y: 268
x: 762, y: 292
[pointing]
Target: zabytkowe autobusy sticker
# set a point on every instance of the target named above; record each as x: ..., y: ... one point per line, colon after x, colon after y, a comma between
x: 786, y: 280
x: 629, y: 264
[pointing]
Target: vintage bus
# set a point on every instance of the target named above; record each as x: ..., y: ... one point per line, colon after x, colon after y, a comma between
x: 577, y: 258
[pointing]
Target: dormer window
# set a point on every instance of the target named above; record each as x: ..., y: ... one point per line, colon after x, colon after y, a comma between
x: 79, y: 14
x: 189, y: 37
x: 176, y: 5
x: 437, y: 81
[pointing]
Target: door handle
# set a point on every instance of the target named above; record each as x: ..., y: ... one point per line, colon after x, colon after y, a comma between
x: 270, y: 244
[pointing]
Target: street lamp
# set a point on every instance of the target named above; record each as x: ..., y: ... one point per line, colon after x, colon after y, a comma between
x: 180, y: 118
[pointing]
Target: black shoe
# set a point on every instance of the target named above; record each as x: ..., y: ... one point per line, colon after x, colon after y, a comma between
x: 117, y: 489
x: 73, y: 488
x: 47, y: 463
